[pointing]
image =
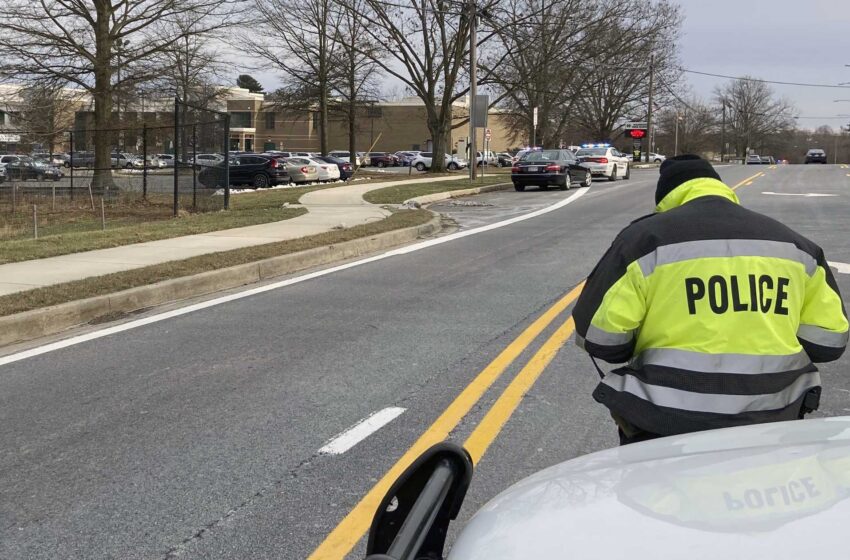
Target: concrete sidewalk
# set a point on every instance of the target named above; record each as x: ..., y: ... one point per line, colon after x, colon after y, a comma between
x: 327, y: 209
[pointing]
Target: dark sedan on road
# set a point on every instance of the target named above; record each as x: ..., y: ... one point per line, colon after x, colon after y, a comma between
x: 543, y: 168
x: 815, y: 156
x: 248, y: 169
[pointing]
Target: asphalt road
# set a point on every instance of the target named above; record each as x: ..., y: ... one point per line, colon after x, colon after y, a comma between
x: 198, y: 436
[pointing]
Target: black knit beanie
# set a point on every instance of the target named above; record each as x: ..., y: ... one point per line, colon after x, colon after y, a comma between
x: 677, y: 170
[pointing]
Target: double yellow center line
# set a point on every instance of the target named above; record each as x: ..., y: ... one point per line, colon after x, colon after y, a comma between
x: 748, y: 181
x: 352, y: 528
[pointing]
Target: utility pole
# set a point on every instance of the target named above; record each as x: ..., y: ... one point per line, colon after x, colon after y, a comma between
x: 723, y: 131
x: 473, y: 88
x: 649, y: 111
x: 676, y: 140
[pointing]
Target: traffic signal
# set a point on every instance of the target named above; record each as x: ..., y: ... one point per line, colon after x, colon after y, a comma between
x: 636, y: 133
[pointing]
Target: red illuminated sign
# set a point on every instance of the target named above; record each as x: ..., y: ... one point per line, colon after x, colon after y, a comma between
x: 636, y: 133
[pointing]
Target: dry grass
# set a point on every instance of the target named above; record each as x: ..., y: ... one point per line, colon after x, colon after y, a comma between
x: 100, y: 285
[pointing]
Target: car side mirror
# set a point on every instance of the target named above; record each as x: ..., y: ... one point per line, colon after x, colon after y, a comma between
x: 413, y: 518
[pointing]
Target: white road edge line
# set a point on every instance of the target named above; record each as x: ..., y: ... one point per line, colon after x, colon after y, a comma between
x: 360, y: 431
x: 58, y: 345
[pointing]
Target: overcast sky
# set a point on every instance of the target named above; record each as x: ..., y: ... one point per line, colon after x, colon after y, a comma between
x: 783, y: 40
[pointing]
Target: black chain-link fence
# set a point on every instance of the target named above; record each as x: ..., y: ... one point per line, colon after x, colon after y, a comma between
x: 158, y: 168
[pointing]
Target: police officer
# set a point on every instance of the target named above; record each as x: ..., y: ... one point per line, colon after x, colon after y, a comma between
x: 719, y: 311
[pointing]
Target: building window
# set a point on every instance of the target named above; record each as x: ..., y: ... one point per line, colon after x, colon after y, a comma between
x: 2, y: 118
x: 240, y: 119
x: 270, y: 116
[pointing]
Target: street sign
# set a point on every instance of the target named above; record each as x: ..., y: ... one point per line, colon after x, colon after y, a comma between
x: 535, y: 117
x: 487, y: 134
x: 637, y: 125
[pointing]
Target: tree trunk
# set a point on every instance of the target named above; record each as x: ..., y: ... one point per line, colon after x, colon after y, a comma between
x: 323, y: 116
x: 352, y: 132
x: 438, y: 126
x: 102, y: 94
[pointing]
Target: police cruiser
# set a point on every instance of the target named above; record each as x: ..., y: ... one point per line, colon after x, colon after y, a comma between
x: 766, y: 491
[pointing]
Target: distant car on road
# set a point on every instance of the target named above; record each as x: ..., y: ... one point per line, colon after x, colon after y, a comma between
x: 543, y: 168
x: 815, y: 156
x: 753, y: 159
x: 657, y: 158
x: 606, y: 161
x: 767, y: 160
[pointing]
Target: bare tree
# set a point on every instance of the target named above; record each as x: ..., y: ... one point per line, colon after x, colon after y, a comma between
x: 47, y: 112
x: 755, y: 113
x: 688, y: 127
x: 424, y: 44
x: 75, y: 42
x: 618, y: 80
x: 356, y: 53
x: 298, y: 39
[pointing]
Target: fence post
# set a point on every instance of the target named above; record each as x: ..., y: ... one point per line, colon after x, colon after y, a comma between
x: 176, y: 149
x: 53, y: 198
x: 227, y: 161
x: 145, y: 161
x: 71, y: 162
x: 35, y: 221
x: 194, y: 166
x: 102, y: 215
x: 14, y: 197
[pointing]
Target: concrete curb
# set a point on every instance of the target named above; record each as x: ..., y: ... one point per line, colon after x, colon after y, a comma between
x: 51, y: 320
x: 419, y: 201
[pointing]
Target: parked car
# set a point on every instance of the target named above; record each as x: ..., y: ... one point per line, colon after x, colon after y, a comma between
x: 606, y: 161
x: 815, y: 156
x: 365, y: 160
x: 53, y: 159
x: 383, y: 159
x: 767, y: 160
x: 486, y: 158
x: 124, y: 160
x: 774, y: 491
x: 560, y: 168
x: 327, y: 171
x: 248, y: 169
x: 505, y: 159
x: 753, y: 159
x: 23, y: 168
x: 2, y: 172
x: 208, y: 160
x: 301, y: 173
x: 80, y: 159
x: 167, y: 159
x: 657, y: 158
x: 345, y: 169
x: 423, y: 161
x: 406, y: 158
x: 346, y: 156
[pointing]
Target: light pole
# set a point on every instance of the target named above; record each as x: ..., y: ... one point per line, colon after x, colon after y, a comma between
x: 473, y: 88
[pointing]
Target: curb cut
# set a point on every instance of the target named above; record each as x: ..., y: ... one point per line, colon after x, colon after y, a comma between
x: 419, y: 201
x: 29, y: 325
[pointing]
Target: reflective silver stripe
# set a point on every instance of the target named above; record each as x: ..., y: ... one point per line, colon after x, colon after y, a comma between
x: 580, y: 341
x: 688, y: 250
x: 720, y: 363
x: 709, y: 402
x: 823, y: 337
x: 605, y: 338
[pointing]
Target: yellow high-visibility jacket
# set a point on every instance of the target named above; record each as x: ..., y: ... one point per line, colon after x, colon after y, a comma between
x: 719, y: 311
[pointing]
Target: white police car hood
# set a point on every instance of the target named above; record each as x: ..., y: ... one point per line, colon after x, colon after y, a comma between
x: 771, y: 491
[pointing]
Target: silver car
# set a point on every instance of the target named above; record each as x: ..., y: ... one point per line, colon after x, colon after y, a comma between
x: 774, y: 491
x: 301, y: 170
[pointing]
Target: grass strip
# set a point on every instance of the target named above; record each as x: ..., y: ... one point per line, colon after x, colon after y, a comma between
x: 79, y: 230
x: 110, y: 283
x: 400, y: 193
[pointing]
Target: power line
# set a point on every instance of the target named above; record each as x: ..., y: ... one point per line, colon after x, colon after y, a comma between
x: 748, y: 79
